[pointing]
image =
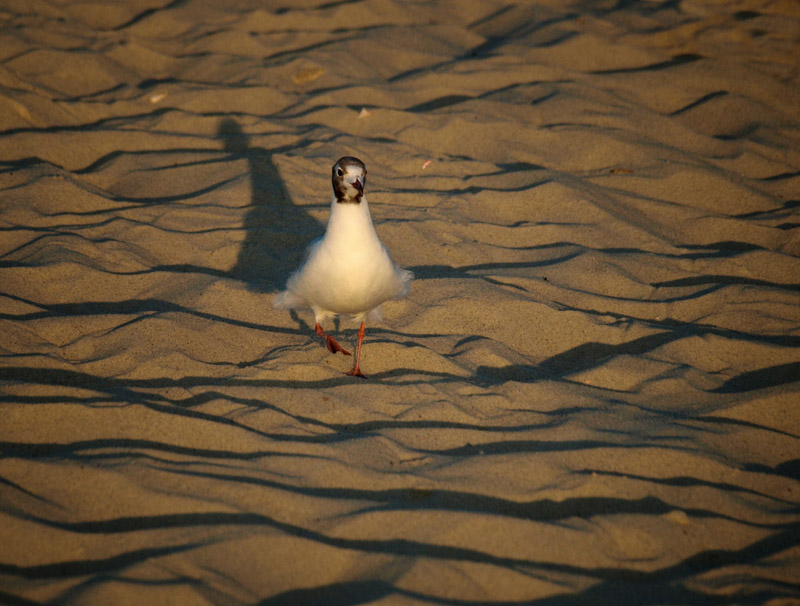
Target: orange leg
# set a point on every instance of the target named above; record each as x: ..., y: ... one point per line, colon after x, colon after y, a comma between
x: 356, y: 372
x: 333, y: 346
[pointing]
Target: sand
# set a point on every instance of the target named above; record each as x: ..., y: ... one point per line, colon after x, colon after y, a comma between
x: 589, y: 397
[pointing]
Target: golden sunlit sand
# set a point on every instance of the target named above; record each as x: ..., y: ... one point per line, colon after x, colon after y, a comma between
x: 590, y: 395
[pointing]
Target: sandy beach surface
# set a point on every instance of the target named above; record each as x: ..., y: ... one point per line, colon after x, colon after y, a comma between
x: 590, y: 396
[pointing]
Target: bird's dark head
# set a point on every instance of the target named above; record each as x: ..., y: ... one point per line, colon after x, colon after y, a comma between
x: 349, y: 178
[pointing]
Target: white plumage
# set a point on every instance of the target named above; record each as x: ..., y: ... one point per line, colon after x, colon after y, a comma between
x: 348, y: 271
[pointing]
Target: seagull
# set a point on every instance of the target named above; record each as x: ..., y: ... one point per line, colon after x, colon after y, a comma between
x: 347, y: 271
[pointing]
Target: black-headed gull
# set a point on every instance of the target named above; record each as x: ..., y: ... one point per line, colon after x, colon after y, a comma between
x: 348, y: 271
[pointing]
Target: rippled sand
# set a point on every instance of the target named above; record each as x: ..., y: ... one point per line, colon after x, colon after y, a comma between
x: 590, y: 396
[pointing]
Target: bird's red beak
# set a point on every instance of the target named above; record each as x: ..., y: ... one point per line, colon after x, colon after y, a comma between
x: 358, y: 186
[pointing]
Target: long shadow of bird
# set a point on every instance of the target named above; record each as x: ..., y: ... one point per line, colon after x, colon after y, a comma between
x: 277, y: 231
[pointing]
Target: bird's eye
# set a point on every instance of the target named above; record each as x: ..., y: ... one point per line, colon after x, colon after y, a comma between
x: 339, y: 172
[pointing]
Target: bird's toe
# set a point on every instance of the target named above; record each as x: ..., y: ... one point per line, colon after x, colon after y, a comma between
x: 355, y: 372
x: 334, y: 347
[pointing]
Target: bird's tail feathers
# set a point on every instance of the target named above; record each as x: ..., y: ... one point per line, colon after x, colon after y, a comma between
x: 406, y: 276
x: 285, y: 300
x: 374, y: 315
